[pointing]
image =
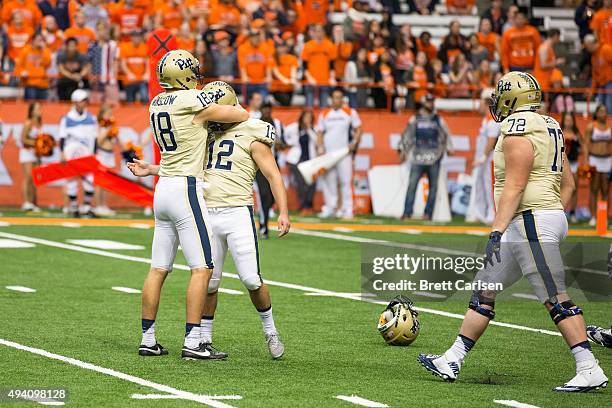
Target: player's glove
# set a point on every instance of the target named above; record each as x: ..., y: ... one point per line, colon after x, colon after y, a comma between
x: 493, y: 247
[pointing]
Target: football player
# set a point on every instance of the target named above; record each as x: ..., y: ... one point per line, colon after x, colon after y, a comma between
x: 533, y: 183
x: 179, y: 118
x: 235, y: 153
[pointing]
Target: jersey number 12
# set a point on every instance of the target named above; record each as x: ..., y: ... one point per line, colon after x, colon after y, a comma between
x: 162, y: 129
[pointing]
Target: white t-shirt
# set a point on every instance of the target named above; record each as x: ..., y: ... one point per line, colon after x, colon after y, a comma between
x: 337, y: 126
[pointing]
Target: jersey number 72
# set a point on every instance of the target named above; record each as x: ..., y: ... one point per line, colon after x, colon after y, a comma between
x: 557, y: 135
x: 162, y: 129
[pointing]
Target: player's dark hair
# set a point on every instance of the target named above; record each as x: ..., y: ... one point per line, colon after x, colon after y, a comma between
x: 305, y: 111
x: 338, y: 89
x: 598, y: 107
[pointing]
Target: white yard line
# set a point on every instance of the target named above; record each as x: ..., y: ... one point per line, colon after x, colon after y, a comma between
x: 23, y: 289
x: 71, y: 224
x: 515, y: 404
x: 230, y: 291
x: 4, y: 224
x: 202, y: 399
x: 12, y: 244
x: 140, y: 226
x: 125, y: 290
x: 430, y: 294
x: 361, y: 401
x: 172, y: 396
x: 269, y: 282
x: 105, y: 244
x: 525, y: 296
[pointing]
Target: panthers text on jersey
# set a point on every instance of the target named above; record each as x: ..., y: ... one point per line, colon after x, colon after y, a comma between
x: 230, y: 169
x: 543, y: 190
x: 181, y: 142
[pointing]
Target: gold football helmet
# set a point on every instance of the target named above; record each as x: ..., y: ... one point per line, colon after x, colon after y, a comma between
x: 515, y: 92
x: 398, y: 323
x: 178, y: 69
x: 221, y: 93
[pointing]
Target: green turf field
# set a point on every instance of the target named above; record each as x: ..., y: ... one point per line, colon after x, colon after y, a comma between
x: 332, y: 346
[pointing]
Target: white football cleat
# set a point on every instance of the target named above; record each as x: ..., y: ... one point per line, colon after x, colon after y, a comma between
x: 591, y: 378
x: 441, y: 366
x: 275, y: 345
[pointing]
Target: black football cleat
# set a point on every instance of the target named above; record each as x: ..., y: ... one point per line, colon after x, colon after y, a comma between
x: 204, y: 351
x: 156, y: 350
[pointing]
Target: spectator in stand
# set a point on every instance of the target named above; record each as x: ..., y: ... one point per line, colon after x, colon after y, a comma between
x: 344, y: 50
x: 134, y: 61
x: 601, y: 68
x: 358, y: 72
x: 83, y: 34
x: 513, y: 11
x: 224, y: 59
x: 598, y: 143
x: 496, y: 15
x: 424, y: 7
x: 439, y: 89
x: 30, y: 13
x: 477, y: 51
x: 560, y: 99
x: 224, y: 15
x: 461, y: 77
x: 62, y: 11
x: 185, y: 39
x: 54, y: 37
x: 204, y: 57
x: 388, y: 28
x: 73, y: 68
x: 94, y: 13
x: 284, y: 69
x: 461, y: 7
x: 546, y: 61
x: 384, y: 76
x: 488, y: 38
x: 419, y: 79
x: 311, y: 12
x: 424, y: 44
x: 601, y: 24
x: 583, y: 16
x: 31, y: 66
x: 104, y: 58
x: 484, y: 77
x: 355, y: 21
x: 519, y: 45
x: 254, y: 60
x: 32, y: 127
x: 376, y: 49
x: 18, y: 36
x: 254, y: 107
x: 127, y: 18
x: 454, y: 44
x: 318, y: 56
x: 170, y: 14
x: 405, y: 47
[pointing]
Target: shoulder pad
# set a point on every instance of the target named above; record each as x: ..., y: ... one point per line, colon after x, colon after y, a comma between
x: 519, y: 123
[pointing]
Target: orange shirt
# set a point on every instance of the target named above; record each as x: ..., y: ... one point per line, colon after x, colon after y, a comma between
x: 460, y: 4
x: 484, y: 80
x: 319, y: 57
x: 311, y: 12
x: 255, y: 60
x: 54, y: 40
x: 601, y: 24
x: 543, y: 74
x: 430, y: 50
x: 185, y: 43
x: 285, y: 65
x: 601, y: 61
x: 489, y: 41
x: 128, y: 20
x: 171, y: 16
x: 344, y: 51
x: 30, y: 11
x: 518, y: 47
x: 136, y: 58
x: 84, y: 37
x: 33, y: 64
x: 419, y: 75
x: 225, y: 15
x: 18, y: 38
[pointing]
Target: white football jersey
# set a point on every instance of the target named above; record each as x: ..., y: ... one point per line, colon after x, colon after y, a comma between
x: 337, y: 126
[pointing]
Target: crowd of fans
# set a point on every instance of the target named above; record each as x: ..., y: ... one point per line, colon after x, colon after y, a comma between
x: 279, y: 47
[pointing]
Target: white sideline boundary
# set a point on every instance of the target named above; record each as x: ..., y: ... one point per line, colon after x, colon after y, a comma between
x: 354, y: 399
x: 515, y: 404
x: 202, y: 399
x: 302, y: 288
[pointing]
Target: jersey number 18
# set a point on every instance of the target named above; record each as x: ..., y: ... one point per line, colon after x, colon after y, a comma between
x: 162, y: 129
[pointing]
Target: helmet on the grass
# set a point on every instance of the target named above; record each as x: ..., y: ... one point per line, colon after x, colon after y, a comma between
x: 398, y: 323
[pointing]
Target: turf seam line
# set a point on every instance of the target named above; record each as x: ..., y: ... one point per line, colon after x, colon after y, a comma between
x: 269, y: 282
x: 203, y: 399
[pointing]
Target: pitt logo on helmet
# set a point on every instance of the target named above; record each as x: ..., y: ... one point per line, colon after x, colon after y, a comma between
x: 398, y: 323
x: 178, y: 69
x: 516, y: 92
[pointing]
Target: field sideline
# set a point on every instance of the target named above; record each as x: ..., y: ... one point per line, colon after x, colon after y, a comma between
x: 77, y: 332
